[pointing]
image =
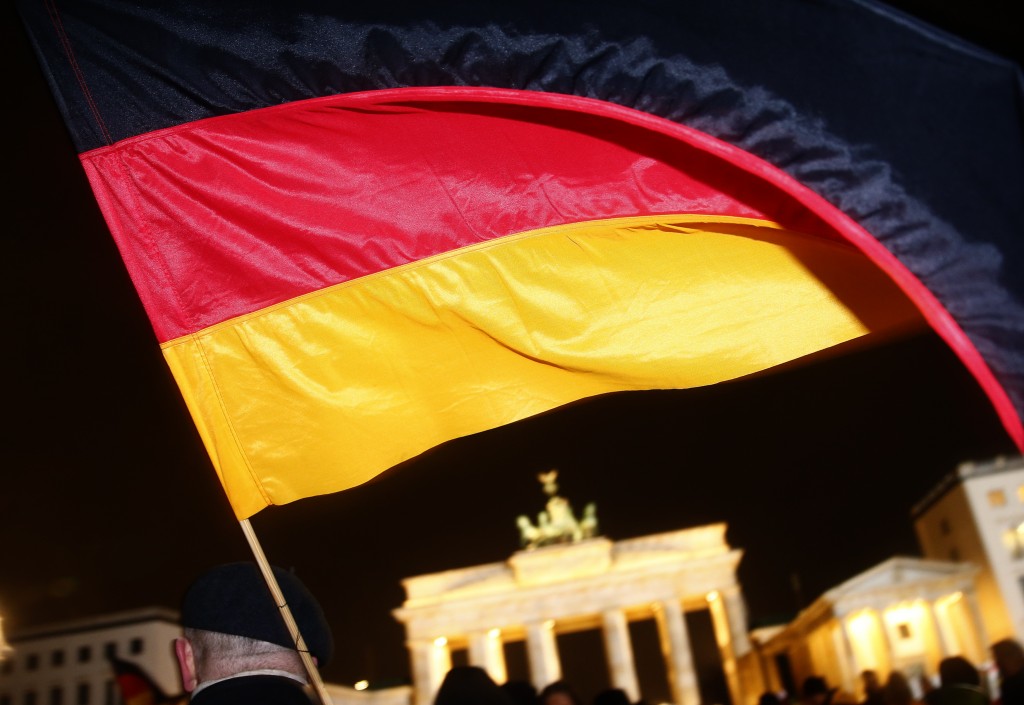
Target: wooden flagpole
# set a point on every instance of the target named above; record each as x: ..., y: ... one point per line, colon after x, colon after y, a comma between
x: 289, y: 620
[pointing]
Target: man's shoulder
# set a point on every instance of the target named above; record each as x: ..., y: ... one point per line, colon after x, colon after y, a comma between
x: 253, y: 690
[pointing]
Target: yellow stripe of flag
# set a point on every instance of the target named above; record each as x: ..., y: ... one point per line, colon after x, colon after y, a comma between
x: 287, y: 398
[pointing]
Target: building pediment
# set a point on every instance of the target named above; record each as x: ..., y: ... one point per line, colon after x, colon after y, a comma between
x: 915, y: 576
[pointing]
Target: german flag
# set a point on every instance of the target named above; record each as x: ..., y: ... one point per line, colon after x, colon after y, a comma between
x: 360, y: 233
x: 137, y: 687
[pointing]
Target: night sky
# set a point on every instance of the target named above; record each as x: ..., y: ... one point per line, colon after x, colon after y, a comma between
x: 109, y: 501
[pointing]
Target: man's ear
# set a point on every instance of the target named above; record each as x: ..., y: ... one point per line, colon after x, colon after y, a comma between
x: 186, y: 664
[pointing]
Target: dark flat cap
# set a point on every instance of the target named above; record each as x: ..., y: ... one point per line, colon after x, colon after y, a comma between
x: 234, y: 599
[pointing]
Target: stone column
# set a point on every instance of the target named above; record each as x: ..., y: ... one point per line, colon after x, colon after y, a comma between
x: 618, y: 650
x: 940, y: 632
x: 485, y: 651
x: 978, y: 622
x: 890, y: 650
x: 542, y: 652
x: 844, y: 658
x: 849, y: 653
x: 723, y: 635
x: 736, y: 611
x: 431, y: 660
x: 675, y: 648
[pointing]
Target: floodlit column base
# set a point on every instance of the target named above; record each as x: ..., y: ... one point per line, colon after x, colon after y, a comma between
x: 736, y: 611
x: 974, y: 610
x: 619, y: 652
x: 431, y: 660
x: 675, y: 648
x: 419, y: 654
x: 723, y: 636
x: 485, y: 651
x: 883, y: 625
x: 844, y: 660
x: 848, y: 654
x: 542, y: 652
x: 939, y: 625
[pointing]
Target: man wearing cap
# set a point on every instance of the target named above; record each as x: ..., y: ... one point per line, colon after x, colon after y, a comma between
x: 236, y: 646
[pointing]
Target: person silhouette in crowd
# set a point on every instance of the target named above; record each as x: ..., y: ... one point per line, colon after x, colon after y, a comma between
x: 559, y: 693
x: 898, y: 691
x: 1009, y: 659
x: 612, y: 696
x: 470, y: 685
x: 872, y: 687
x: 235, y: 646
x: 959, y: 684
x: 770, y: 697
x: 815, y: 691
x: 522, y: 692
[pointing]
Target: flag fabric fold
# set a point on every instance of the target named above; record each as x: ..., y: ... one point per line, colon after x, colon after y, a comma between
x: 361, y: 233
x: 137, y: 687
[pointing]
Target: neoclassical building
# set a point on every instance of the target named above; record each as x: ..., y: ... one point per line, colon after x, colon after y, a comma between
x: 590, y: 583
x: 903, y: 614
x: 68, y: 663
x: 976, y: 515
x: 908, y: 614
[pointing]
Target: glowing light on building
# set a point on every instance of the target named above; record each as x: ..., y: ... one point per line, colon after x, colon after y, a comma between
x: 861, y: 625
x: 5, y: 648
x: 1013, y: 540
x: 362, y: 685
x: 905, y: 617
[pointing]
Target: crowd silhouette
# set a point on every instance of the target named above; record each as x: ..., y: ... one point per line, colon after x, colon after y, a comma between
x: 959, y: 682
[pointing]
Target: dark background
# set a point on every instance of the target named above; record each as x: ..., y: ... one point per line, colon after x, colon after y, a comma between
x: 109, y: 501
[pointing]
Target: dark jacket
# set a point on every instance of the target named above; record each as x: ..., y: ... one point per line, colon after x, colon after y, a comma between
x: 255, y: 690
x: 957, y: 694
x: 1011, y: 690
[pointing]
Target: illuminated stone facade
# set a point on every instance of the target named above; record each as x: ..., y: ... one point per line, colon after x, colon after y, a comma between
x: 592, y: 583
x: 67, y: 662
x: 904, y: 614
x: 977, y: 516
x: 5, y: 648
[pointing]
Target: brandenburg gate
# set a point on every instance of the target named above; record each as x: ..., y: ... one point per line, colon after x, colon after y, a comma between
x: 566, y: 579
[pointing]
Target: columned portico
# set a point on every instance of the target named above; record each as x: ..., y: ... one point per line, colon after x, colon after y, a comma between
x: 904, y: 614
x: 591, y: 584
